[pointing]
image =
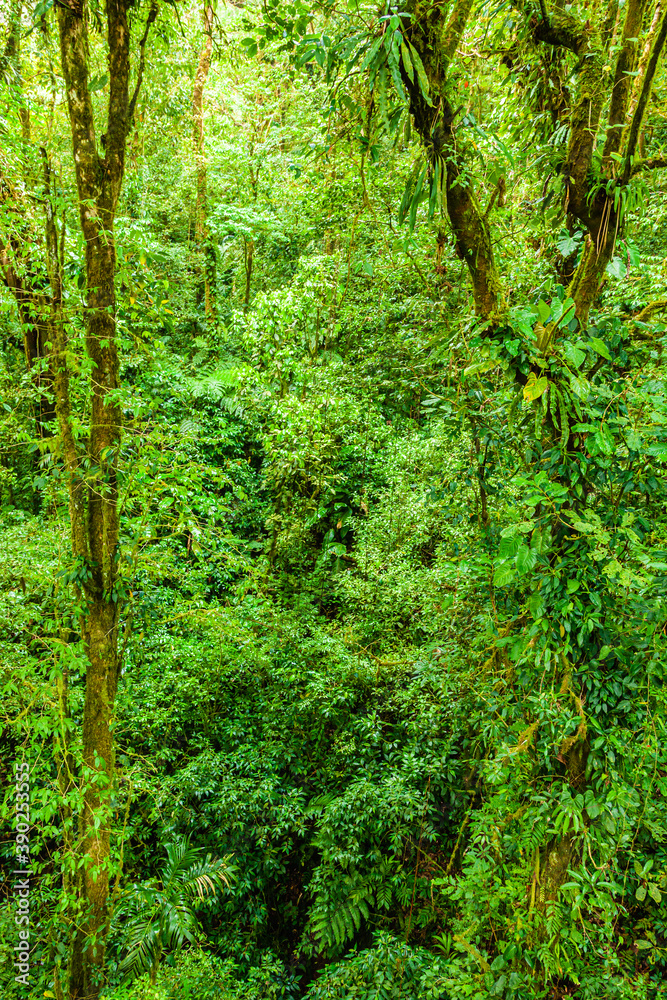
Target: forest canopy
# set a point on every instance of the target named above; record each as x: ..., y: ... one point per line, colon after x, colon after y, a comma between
x: 333, y: 509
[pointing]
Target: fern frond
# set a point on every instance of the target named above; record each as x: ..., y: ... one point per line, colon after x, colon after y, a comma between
x: 335, y: 925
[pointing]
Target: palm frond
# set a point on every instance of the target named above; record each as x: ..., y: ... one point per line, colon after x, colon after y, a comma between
x: 205, y: 878
x: 143, y: 947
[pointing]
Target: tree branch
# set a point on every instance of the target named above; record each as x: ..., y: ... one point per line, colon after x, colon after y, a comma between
x: 652, y: 163
x: 152, y: 14
x: 10, y: 55
x: 455, y: 28
x: 74, y: 60
x: 564, y: 30
x: 584, y: 41
x: 660, y: 305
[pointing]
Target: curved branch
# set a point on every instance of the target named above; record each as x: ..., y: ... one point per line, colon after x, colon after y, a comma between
x: 584, y: 41
x: 646, y: 52
x: 152, y: 14
x: 660, y: 305
x: 436, y: 41
x: 118, y: 31
x: 652, y: 163
x: 562, y: 30
x: 454, y: 29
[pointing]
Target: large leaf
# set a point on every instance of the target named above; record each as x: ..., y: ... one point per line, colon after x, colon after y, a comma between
x: 407, y: 62
x: 580, y: 386
x: 504, y: 574
x: 574, y: 355
x: 525, y: 559
x: 421, y: 74
x: 534, y: 387
x: 600, y: 347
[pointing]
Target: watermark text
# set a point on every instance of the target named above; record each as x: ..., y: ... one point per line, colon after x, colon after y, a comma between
x: 21, y: 874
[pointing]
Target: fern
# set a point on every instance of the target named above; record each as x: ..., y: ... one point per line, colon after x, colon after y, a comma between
x: 215, y: 384
x: 334, y: 926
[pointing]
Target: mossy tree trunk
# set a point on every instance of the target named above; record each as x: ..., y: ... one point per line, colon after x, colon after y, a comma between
x: 92, y: 475
x: 19, y: 267
x: 436, y: 37
x: 436, y: 30
x: 594, y: 196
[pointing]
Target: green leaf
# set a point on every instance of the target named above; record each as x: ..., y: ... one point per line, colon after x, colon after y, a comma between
x: 536, y: 606
x: 544, y: 310
x: 382, y: 93
x: 395, y: 71
x: 574, y: 355
x: 534, y: 387
x: 600, y: 347
x: 407, y: 62
x: 616, y: 268
x: 604, y: 440
x: 98, y: 83
x: 541, y: 539
x: 436, y: 187
x: 658, y: 450
x: 508, y: 547
x: 421, y: 74
x: 567, y: 244
x: 654, y: 892
x: 416, y: 198
x: 522, y: 528
x: 525, y: 559
x: 640, y: 894
x: 503, y: 575
x: 580, y: 386
x: 371, y: 54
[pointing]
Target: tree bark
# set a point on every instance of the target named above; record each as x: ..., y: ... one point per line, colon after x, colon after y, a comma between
x: 626, y: 65
x: 10, y: 67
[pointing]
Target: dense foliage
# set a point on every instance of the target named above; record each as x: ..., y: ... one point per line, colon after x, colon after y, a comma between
x: 390, y: 584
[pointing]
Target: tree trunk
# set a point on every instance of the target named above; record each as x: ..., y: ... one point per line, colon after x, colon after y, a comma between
x: 203, y: 246
x: 94, y: 502
x: 10, y: 67
x: 436, y: 40
x: 587, y: 280
x: 17, y: 265
x: 20, y: 274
